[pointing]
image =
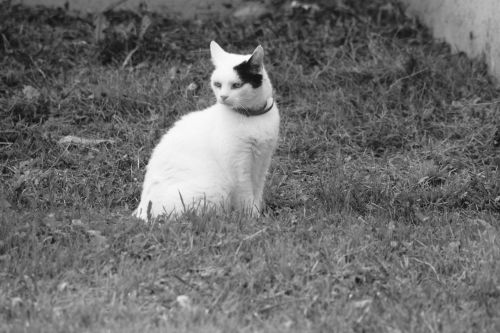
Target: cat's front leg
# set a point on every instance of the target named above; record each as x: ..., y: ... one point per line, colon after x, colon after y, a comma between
x: 242, y: 199
x: 260, y: 169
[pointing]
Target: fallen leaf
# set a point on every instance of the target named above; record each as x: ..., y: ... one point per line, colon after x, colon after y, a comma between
x: 101, y: 23
x: 422, y: 180
x: 251, y: 11
x: 77, y: 222
x: 192, y: 86
x: 30, y: 93
x: 305, y: 6
x: 184, y: 301
x: 16, y: 301
x: 4, y: 204
x: 454, y: 246
x: 145, y: 23
x: 125, y: 31
x: 172, y: 73
x: 210, y: 271
x: 97, y: 238
x: 51, y: 220
x: 70, y: 139
x: 62, y: 286
x: 362, y: 303
x: 483, y: 223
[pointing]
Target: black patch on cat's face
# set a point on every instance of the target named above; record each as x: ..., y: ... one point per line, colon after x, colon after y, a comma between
x: 249, y: 73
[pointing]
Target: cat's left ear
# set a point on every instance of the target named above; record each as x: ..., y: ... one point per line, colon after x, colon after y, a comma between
x: 216, y: 52
x: 256, y: 60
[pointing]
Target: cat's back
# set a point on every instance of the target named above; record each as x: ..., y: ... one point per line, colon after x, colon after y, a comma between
x: 189, y: 128
x: 192, y: 122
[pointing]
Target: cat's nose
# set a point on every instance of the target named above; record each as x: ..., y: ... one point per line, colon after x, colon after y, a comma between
x: 224, y: 97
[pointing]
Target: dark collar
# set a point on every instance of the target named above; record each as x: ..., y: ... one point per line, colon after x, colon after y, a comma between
x: 256, y: 112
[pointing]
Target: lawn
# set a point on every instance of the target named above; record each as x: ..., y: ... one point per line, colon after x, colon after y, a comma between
x: 382, y: 202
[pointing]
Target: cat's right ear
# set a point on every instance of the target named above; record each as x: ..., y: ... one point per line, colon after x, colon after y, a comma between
x: 256, y: 59
x: 216, y: 52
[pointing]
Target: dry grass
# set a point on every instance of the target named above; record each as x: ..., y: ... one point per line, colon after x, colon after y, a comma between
x: 383, y: 200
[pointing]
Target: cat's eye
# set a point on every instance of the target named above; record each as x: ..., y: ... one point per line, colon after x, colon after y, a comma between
x: 217, y: 84
x: 236, y: 85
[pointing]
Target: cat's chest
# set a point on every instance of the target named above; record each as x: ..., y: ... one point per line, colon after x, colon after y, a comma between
x: 245, y: 143
x: 235, y: 135
x: 252, y: 138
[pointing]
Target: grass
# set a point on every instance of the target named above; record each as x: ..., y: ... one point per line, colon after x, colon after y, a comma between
x: 383, y: 199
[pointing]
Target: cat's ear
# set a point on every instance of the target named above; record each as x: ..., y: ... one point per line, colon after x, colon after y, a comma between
x: 256, y: 60
x: 216, y: 52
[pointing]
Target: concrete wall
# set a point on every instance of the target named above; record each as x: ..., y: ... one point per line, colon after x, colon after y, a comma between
x: 184, y: 8
x: 471, y: 26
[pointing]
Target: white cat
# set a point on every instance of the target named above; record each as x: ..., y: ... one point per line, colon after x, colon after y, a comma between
x: 218, y: 156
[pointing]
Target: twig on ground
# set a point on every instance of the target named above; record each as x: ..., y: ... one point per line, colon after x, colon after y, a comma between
x: 129, y: 56
x: 430, y: 265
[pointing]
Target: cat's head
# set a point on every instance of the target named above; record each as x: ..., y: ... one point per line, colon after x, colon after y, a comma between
x: 239, y: 81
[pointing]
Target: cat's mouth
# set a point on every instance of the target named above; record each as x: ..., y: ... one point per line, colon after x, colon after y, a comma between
x: 226, y: 103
